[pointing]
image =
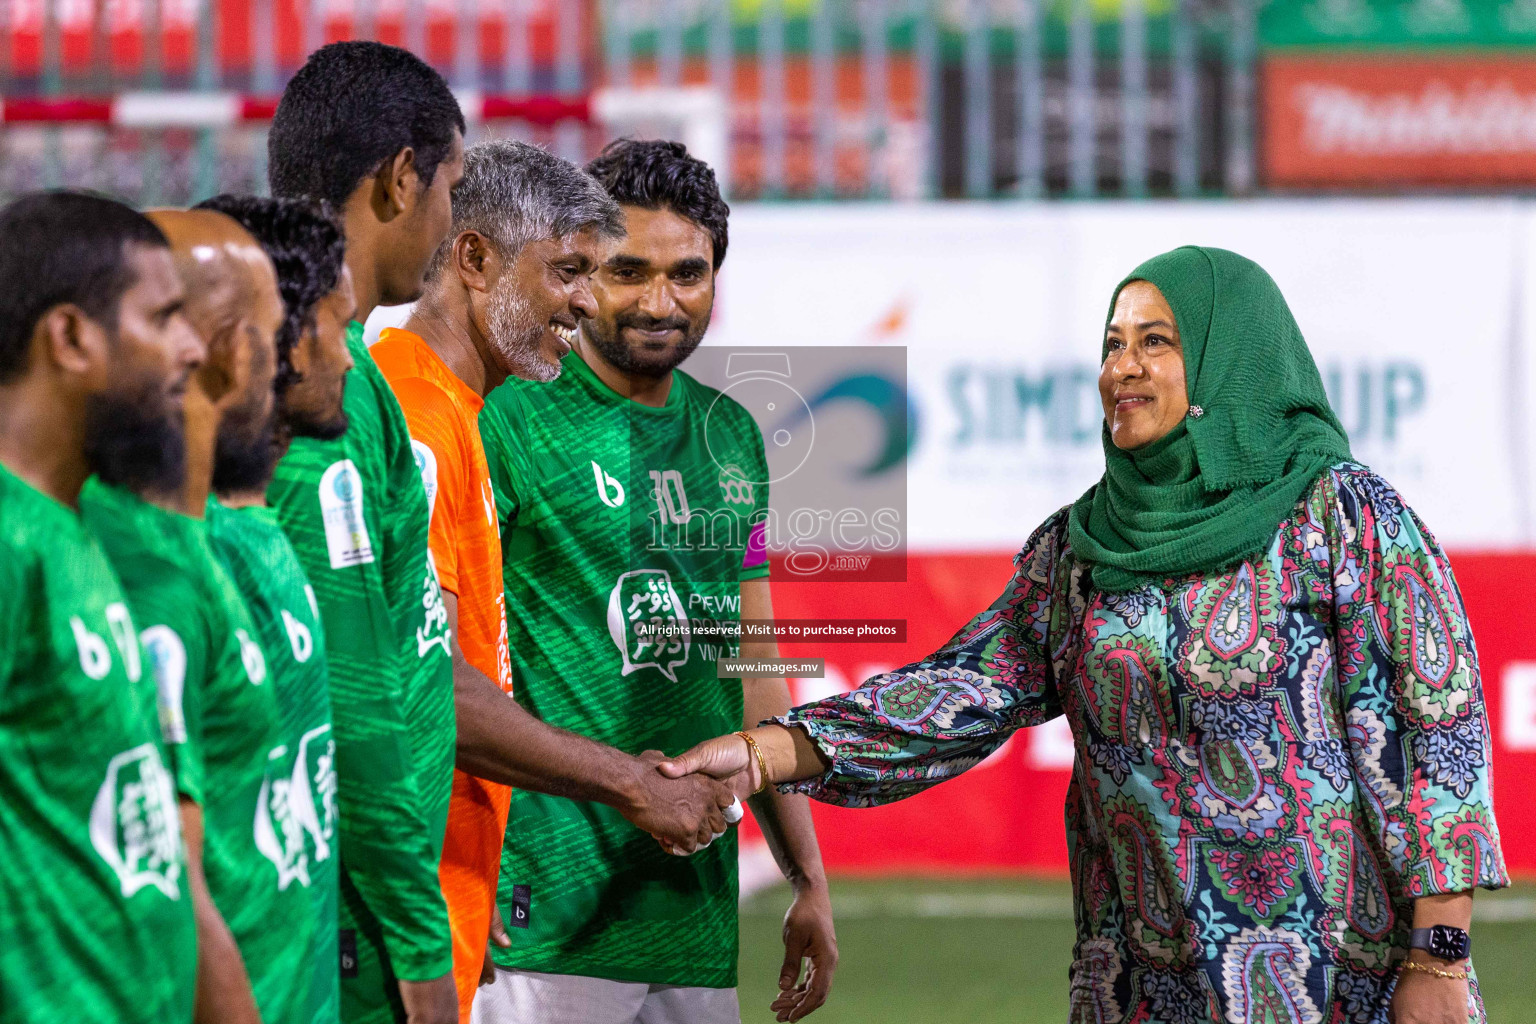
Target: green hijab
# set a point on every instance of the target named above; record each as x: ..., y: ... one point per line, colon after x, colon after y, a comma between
x: 1214, y: 490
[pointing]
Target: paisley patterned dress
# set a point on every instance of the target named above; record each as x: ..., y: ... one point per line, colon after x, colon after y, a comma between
x: 1271, y: 763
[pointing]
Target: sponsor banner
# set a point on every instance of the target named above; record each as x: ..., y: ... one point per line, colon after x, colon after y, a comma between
x: 1414, y: 309
x: 1006, y: 813
x: 1463, y: 24
x: 1391, y: 120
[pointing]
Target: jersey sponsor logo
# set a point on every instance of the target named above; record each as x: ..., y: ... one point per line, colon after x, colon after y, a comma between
x: 299, y: 637
x: 317, y: 753
x: 95, y: 655
x: 134, y: 825
x: 346, y: 946
x: 520, y: 909
x: 434, y: 631
x: 503, y: 649
x: 120, y: 624
x: 426, y: 464
x: 488, y: 499
x: 735, y: 485
x: 646, y: 596
x: 296, y: 811
x: 95, y: 658
x: 341, y: 508
x: 168, y: 663
x: 609, y: 490
x: 251, y: 657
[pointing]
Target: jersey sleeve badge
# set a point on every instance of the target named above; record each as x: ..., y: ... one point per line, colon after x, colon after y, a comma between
x: 341, y: 509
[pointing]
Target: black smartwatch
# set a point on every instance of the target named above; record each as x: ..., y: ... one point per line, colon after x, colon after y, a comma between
x: 1442, y: 942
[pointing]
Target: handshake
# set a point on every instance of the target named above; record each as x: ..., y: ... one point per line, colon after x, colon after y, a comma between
x: 687, y: 802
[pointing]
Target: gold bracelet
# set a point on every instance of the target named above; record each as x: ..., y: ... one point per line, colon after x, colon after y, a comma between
x: 1437, y: 972
x: 762, y: 763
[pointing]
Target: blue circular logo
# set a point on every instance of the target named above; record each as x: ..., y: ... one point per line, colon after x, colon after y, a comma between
x: 344, y: 486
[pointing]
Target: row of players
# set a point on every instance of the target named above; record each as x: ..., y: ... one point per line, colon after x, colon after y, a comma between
x: 266, y: 589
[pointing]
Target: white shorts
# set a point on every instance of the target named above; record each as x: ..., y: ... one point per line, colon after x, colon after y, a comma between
x: 530, y: 997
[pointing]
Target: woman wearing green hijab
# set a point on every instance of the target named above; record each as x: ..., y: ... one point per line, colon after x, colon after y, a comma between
x: 1280, y: 801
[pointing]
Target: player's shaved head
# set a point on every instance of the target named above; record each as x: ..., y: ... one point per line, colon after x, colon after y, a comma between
x: 221, y: 264
x: 234, y: 302
x: 232, y: 295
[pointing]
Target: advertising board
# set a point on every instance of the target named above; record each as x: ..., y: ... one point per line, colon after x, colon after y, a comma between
x: 1394, y: 120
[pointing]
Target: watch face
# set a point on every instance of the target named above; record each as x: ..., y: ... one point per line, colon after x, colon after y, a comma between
x: 1448, y: 943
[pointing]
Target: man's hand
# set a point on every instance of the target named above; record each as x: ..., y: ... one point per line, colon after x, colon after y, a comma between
x: 1425, y: 999
x: 684, y: 814
x: 716, y: 759
x: 499, y: 937
x: 808, y: 935
x: 430, y: 1002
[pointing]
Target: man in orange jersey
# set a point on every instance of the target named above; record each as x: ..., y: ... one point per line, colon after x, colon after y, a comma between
x: 503, y: 298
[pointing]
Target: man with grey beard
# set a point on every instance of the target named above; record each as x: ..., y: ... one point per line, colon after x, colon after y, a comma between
x: 504, y: 297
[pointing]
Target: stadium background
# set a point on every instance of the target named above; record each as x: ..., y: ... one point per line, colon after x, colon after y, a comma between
x: 966, y: 180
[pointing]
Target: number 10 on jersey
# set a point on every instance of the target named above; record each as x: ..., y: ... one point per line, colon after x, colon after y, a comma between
x: 671, y: 500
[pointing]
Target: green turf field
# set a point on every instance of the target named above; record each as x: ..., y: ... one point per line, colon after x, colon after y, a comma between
x: 921, y: 951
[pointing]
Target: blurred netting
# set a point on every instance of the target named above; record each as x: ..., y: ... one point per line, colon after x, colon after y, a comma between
x: 180, y: 166
x: 820, y: 98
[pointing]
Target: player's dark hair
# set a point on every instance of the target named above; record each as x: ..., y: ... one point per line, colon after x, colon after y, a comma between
x: 305, y: 243
x: 352, y: 106
x: 58, y: 247
x: 654, y: 174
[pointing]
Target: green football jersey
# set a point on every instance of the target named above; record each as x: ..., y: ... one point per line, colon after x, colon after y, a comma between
x: 614, y: 513
x: 219, y: 714
x: 356, y: 513
x: 299, y: 795
x: 95, y: 915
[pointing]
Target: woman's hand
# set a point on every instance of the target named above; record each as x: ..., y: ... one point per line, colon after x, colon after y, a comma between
x: 727, y: 758
x: 788, y: 754
x: 1425, y: 999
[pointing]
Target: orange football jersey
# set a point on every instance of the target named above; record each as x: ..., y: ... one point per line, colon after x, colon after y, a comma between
x: 442, y: 413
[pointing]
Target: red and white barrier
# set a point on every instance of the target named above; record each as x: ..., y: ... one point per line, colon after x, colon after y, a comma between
x: 228, y: 109
x: 696, y: 115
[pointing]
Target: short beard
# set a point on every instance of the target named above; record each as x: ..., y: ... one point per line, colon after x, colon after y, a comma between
x: 303, y: 425
x: 244, y: 453
x: 293, y: 423
x: 639, y: 362
x: 515, y: 335
x: 133, y: 441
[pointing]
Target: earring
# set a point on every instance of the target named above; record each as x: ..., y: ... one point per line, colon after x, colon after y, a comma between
x: 1195, y: 412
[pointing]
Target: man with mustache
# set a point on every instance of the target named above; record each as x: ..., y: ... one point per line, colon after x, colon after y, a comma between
x: 219, y: 722
x: 376, y: 133
x: 626, y: 495
x: 95, y: 356
x: 503, y: 298
x: 296, y: 819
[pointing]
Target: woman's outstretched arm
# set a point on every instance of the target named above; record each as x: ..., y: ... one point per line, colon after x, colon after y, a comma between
x: 906, y: 730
